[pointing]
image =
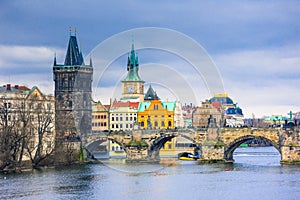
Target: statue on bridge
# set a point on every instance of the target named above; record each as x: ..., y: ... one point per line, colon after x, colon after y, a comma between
x: 149, y: 123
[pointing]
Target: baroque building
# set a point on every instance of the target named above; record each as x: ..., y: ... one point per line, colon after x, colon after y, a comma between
x: 73, y: 94
x: 155, y: 114
x: 232, y: 113
x: 202, y: 114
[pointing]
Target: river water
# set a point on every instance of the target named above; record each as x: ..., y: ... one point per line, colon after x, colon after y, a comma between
x: 256, y: 174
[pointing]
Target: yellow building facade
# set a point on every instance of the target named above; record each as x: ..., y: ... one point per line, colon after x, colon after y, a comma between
x: 156, y: 114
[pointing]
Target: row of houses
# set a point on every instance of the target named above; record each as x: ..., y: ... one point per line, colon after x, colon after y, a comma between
x: 154, y: 113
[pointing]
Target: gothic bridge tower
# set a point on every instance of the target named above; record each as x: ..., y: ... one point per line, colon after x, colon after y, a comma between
x: 133, y: 85
x: 73, y: 94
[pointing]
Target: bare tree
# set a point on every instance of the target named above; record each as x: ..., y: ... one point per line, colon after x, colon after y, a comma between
x: 10, y: 137
x: 40, y: 142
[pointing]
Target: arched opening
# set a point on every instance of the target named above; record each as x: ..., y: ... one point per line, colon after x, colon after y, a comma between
x: 106, y: 148
x: 98, y: 149
x: 167, y: 146
x: 241, y: 152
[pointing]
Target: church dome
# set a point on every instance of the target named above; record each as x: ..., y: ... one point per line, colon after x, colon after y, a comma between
x: 234, y: 111
x: 221, y: 98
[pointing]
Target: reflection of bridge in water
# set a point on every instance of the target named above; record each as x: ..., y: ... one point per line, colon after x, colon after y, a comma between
x: 213, y: 144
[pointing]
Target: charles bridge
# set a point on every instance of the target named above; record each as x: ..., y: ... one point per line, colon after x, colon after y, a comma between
x: 212, y: 144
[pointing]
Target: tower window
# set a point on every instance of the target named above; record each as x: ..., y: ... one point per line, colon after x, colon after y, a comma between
x: 62, y: 83
x: 70, y: 82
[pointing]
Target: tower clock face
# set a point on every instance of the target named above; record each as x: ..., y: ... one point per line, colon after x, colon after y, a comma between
x: 130, y: 89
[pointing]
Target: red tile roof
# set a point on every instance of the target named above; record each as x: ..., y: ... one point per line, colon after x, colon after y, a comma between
x: 117, y: 104
x: 216, y: 104
x: 107, y: 107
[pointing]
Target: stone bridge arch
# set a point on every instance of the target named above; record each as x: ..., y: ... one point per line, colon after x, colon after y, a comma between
x: 94, y: 143
x: 159, y: 142
x: 228, y: 151
x: 92, y: 146
x: 234, y: 137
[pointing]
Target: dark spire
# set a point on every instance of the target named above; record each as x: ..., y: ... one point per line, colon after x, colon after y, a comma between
x: 54, y: 59
x: 151, y: 94
x: 91, y: 63
x: 74, y: 55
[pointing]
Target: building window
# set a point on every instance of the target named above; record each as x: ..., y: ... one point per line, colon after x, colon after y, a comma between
x: 62, y: 83
x: 48, y: 106
x: 31, y: 131
x: 31, y: 106
x: 155, y: 123
x: 49, y: 144
x: 163, y: 124
x: 112, y: 119
x: 112, y: 126
x: 155, y: 107
x: 31, y: 144
x: 142, y: 124
x: 169, y: 123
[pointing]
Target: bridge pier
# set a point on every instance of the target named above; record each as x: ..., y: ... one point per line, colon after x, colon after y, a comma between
x: 290, y: 154
x: 212, y: 151
x: 136, y: 154
x: 290, y: 148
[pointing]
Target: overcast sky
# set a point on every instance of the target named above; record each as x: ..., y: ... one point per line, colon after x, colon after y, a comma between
x: 255, y: 45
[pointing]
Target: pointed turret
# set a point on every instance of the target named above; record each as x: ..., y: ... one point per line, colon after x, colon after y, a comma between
x: 91, y: 63
x: 132, y: 66
x: 151, y: 95
x: 74, y: 55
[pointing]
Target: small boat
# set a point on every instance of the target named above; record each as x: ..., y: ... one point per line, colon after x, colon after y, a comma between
x: 244, y: 145
x: 187, y: 156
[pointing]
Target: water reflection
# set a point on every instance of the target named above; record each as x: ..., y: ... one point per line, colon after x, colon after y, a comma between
x: 256, y: 174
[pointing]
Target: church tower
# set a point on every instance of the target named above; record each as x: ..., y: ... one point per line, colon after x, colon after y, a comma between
x: 133, y: 85
x: 73, y: 94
